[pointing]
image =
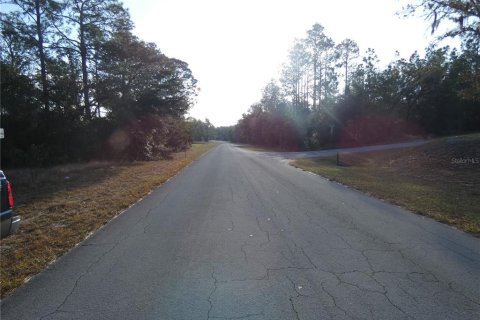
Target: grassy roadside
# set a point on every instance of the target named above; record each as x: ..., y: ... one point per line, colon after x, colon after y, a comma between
x: 440, y: 180
x: 60, y: 206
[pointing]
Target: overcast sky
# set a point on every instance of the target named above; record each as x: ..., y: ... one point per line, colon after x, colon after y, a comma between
x: 235, y: 47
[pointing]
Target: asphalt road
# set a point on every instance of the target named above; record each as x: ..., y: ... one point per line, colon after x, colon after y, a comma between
x: 242, y: 235
x: 331, y: 152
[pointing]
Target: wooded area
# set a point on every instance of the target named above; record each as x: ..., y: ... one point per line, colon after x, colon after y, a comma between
x: 76, y: 84
x: 328, y: 95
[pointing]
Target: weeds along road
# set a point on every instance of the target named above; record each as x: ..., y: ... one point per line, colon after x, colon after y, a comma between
x: 241, y: 235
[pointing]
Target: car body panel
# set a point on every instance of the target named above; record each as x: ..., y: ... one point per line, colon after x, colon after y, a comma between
x: 9, y: 220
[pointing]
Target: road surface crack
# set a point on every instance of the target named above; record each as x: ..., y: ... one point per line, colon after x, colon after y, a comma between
x: 247, y: 316
x: 397, y: 307
x: 450, y: 286
x: 232, y: 194
x: 292, y: 304
x: 262, y: 230
x: 305, y: 254
x: 242, y: 248
x: 77, y: 281
x: 334, y: 300
x: 215, y: 286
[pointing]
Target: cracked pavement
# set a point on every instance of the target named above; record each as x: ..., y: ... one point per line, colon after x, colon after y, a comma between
x: 242, y: 235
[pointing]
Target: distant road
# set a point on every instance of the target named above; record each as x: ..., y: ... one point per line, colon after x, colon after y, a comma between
x: 242, y: 235
x: 331, y: 152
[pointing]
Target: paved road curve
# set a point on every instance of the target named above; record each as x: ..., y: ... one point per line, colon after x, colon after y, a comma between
x: 241, y: 235
x: 331, y: 152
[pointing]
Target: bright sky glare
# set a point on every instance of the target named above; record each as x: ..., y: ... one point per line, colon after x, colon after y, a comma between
x: 235, y: 47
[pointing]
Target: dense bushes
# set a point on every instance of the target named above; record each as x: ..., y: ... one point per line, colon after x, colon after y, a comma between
x: 271, y: 129
x: 149, y: 138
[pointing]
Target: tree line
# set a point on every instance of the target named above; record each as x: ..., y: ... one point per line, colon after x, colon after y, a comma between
x: 76, y: 84
x: 204, y: 131
x: 329, y: 94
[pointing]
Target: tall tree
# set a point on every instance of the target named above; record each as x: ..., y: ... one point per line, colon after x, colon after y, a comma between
x: 271, y: 96
x: 94, y: 22
x: 16, y: 46
x: 34, y: 24
x: 315, y: 42
x: 294, y: 74
x: 329, y: 84
x: 348, y: 51
x: 371, y: 72
x: 465, y: 15
x: 136, y: 79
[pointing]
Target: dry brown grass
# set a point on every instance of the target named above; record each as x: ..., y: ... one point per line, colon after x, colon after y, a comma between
x: 428, y: 180
x: 60, y: 206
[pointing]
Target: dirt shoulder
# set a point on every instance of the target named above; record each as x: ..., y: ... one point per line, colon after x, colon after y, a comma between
x: 440, y: 179
x: 61, y: 206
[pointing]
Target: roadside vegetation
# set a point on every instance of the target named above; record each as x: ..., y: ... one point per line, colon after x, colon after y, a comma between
x: 440, y: 179
x: 62, y: 205
x: 78, y: 85
x: 332, y: 93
